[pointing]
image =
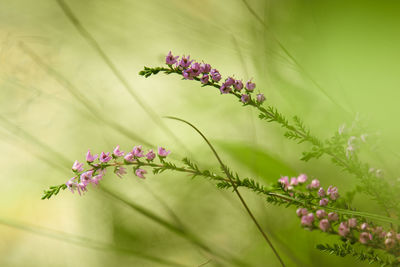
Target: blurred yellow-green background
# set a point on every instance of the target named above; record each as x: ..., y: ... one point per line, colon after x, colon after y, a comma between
x: 330, y: 62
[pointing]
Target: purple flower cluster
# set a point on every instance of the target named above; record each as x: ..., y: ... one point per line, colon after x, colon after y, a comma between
x: 289, y: 184
x: 204, y: 73
x: 99, y: 164
x: 348, y: 228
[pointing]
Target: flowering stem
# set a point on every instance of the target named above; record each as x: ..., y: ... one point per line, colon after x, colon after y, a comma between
x: 226, y: 182
x: 338, y: 210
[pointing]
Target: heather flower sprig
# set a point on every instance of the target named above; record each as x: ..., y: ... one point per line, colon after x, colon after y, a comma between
x: 341, y: 147
x: 285, y: 189
x: 316, y: 205
x: 98, y: 165
x: 316, y: 213
x: 120, y: 161
x: 208, y: 76
x: 320, y: 209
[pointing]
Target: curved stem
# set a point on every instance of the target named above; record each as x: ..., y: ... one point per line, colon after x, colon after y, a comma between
x: 228, y: 174
x: 271, y: 116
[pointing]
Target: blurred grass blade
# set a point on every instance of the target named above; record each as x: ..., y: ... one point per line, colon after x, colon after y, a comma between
x: 16, y: 130
x: 268, y: 167
x: 288, y: 54
x: 96, y: 46
x: 183, y: 232
x: 74, y: 91
x: 6, y: 139
x: 84, y: 241
x: 167, y: 208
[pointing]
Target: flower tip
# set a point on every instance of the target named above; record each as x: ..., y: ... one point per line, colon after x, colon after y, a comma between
x: 140, y: 173
x: 162, y: 152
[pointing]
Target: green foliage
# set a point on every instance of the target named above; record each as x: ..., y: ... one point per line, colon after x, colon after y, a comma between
x: 369, y: 255
x: 53, y: 191
x: 147, y: 72
x: 259, y: 161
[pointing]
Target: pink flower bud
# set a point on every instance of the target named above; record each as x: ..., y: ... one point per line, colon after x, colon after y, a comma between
x: 105, y: 157
x: 225, y: 89
x: 120, y: 171
x: 185, y: 62
x: 130, y: 157
x: 321, y: 192
x: 343, y: 229
x: 117, y: 152
x: 324, y: 225
x: 77, y: 167
x: 323, y: 202
x: 140, y: 173
x: 321, y: 214
x: 307, y: 220
x: 230, y: 81
x: 301, y: 212
x: 333, y: 192
x: 86, y: 177
x: 150, y: 155
x: 284, y: 182
x: 352, y: 222
x: 170, y: 59
x: 250, y: 86
x: 95, y: 180
x: 71, y: 185
x: 302, y: 178
x: 314, y: 184
x: 195, y: 69
x: 215, y: 75
x: 245, y: 98
x: 260, y: 98
x: 137, y: 151
x: 162, y: 152
x: 238, y: 85
x: 204, y: 79
x: 293, y: 181
x: 187, y: 74
x: 90, y: 157
x: 81, y: 187
x: 205, y: 68
x: 390, y: 235
x: 332, y: 216
x: 364, y: 226
x: 365, y: 237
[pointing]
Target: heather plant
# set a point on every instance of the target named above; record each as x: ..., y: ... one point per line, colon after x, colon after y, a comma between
x: 368, y: 236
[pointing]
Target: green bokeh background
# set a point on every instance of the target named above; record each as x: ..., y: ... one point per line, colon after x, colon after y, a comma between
x: 329, y: 62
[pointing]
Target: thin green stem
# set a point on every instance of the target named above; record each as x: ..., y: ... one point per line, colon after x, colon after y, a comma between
x: 228, y: 174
